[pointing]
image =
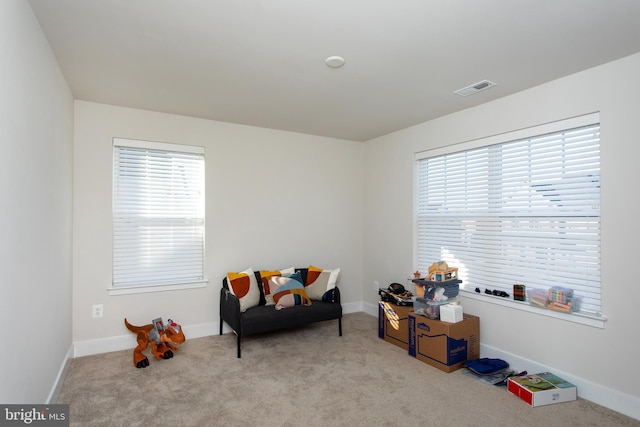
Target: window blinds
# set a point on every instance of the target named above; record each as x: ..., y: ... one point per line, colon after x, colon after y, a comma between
x: 525, y: 211
x: 158, y: 213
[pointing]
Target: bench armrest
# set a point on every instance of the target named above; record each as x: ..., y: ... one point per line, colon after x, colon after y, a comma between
x: 336, y: 296
x: 229, y: 310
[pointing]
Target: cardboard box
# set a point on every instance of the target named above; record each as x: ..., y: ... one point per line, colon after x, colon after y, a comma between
x: 542, y: 389
x: 443, y: 345
x: 393, y: 323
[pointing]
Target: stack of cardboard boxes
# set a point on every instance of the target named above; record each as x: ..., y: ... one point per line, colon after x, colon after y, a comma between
x: 443, y: 345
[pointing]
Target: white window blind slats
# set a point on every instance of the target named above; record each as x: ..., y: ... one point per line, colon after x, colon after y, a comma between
x: 525, y: 211
x: 158, y: 214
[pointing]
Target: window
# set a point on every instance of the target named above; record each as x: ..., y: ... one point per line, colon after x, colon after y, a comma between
x: 516, y: 209
x: 158, y: 214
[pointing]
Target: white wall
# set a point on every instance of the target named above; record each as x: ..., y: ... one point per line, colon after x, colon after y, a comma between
x: 36, y: 124
x: 600, y: 360
x: 273, y: 200
x: 276, y: 199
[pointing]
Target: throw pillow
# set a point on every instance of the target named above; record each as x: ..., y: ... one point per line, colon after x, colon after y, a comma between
x: 245, y: 286
x: 320, y: 281
x: 266, y: 275
x: 288, y: 291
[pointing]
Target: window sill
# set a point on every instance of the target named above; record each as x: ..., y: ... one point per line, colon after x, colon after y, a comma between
x: 584, y: 319
x: 127, y: 290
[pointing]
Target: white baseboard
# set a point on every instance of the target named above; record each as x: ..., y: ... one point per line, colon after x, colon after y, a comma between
x: 126, y: 342
x: 371, y: 309
x: 103, y: 345
x: 597, y: 393
x: 624, y: 403
x: 62, y: 374
x: 352, y: 307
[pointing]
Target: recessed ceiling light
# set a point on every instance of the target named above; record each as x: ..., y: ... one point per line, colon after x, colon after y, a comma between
x: 334, y: 61
x: 476, y: 87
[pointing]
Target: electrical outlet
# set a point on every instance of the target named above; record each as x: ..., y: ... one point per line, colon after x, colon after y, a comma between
x: 97, y: 311
x: 376, y: 285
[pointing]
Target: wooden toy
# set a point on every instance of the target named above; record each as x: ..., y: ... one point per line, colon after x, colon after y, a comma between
x: 441, y: 272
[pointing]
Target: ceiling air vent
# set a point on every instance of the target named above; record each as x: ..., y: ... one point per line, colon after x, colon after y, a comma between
x: 476, y: 87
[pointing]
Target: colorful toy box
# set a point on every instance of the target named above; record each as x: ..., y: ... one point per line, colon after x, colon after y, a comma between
x: 519, y: 292
x: 542, y: 389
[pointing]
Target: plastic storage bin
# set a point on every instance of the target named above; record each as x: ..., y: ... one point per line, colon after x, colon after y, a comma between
x: 430, y: 309
x: 538, y: 297
x: 427, y: 288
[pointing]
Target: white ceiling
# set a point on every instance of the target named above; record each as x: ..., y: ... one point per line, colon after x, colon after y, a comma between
x: 261, y: 62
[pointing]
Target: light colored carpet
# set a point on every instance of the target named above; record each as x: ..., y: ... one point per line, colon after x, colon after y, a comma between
x: 307, y: 376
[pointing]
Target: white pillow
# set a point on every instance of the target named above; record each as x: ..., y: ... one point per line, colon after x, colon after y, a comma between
x: 320, y: 281
x: 245, y: 286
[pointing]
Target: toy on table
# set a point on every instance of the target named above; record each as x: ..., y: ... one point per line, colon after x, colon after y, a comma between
x: 519, y: 292
x: 441, y: 280
x: 161, y: 338
x: 396, y: 294
x: 441, y: 272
